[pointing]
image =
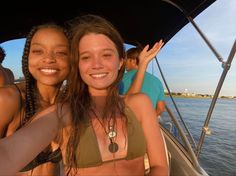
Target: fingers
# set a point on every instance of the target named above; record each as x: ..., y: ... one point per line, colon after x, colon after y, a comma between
x: 147, y: 55
x: 158, y: 45
x: 155, y: 49
x: 145, y: 48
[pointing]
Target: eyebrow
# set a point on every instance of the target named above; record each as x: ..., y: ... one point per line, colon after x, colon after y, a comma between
x: 106, y: 49
x: 58, y: 45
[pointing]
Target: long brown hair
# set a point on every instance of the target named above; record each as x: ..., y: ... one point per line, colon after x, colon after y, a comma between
x: 78, y: 94
x: 30, y: 82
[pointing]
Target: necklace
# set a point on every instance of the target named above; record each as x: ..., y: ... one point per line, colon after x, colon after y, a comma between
x: 111, y: 134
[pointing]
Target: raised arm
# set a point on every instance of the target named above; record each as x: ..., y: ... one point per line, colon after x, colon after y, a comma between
x: 144, y: 58
x: 20, y: 148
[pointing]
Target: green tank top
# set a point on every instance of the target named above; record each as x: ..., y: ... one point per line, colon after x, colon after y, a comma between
x: 88, y: 150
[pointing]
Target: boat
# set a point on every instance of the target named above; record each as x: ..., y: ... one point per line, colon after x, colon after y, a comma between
x: 144, y: 23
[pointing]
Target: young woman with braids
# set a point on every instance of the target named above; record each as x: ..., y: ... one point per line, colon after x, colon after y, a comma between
x: 45, y: 65
x: 101, y: 132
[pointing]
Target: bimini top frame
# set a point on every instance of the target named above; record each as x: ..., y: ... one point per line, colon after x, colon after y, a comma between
x: 225, y: 65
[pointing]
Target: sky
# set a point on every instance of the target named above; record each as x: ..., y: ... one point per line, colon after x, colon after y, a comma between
x: 186, y: 61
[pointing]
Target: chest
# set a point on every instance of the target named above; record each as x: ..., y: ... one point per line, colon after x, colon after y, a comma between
x: 112, y: 143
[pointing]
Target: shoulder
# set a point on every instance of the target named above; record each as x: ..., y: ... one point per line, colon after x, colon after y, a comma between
x: 10, y: 73
x: 141, y: 105
x: 9, y: 103
x: 130, y: 73
x: 9, y: 95
x: 6, y: 76
x: 138, y: 101
x: 153, y: 78
x: 131, y: 98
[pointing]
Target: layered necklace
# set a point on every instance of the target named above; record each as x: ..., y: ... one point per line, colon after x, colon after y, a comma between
x: 110, y: 133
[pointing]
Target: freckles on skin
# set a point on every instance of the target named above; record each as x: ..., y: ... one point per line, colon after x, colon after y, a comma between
x: 99, y: 61
x: 49, y: 56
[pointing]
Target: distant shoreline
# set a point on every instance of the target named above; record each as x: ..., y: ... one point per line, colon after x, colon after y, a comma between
x: 200, y: 97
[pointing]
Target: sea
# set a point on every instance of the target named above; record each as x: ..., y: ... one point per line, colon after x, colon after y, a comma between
x: 218, y: 154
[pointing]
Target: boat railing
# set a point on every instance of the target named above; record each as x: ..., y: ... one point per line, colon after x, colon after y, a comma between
x: 205, y: 128
x: 192, y: 141
x: 225, y: 65
x: 176, y: 130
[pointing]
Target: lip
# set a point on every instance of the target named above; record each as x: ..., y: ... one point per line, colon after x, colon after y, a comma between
x: 48, y: 71
x: 98, y: 75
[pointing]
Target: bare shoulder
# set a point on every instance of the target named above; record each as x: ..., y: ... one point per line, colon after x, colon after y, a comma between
x: 140, y: 104
x: 9, y: 95
x: 9, y: 103
x: 137, y: 99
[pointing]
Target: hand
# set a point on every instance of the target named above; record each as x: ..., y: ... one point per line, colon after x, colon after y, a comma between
x: 147, y: 55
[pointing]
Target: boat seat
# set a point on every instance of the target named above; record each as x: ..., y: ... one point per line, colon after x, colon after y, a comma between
x: 168, y: 156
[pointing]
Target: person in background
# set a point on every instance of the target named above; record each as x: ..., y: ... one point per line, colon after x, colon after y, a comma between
x: 45, y: 65
x: 6, y: 75
x: 149, y: 84
x: 100, y: 132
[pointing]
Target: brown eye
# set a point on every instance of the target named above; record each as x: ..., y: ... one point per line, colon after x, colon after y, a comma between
x: 84, y: 58
x: 107, y: 55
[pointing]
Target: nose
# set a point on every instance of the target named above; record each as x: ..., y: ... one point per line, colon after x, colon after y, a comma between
x: 49, y: 57
x: 97, y: 63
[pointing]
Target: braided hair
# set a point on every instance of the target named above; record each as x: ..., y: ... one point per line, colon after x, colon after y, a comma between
x: 31, y: 93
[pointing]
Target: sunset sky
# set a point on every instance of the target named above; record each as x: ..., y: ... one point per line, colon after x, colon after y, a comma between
x: 186, y: 61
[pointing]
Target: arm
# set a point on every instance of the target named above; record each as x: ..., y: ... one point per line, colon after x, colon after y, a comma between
x: 152, y: 132
x: 9, y: 103
x: 20, y: 148
x: 160, y: 107
x: 160, y: 101
x: 144, y: 58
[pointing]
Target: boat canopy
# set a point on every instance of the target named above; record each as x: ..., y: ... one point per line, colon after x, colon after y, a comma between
x: 139, y: 21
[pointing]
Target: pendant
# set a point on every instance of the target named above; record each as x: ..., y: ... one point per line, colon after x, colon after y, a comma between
x: 112, y: 134
x: 113, y: 147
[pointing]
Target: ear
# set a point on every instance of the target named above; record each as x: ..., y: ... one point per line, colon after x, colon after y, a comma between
x: 121, y: 63
x: 133, y: 61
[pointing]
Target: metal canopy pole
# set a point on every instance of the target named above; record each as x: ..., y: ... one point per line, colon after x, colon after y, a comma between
x: 218, y: 56
x: 226, y: 67
x: 178, y: 112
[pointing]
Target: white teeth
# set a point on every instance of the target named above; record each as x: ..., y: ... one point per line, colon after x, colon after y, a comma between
x: 98, y: 75
x: 48, y: 70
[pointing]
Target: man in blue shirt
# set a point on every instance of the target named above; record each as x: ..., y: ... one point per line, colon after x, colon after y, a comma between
x: 151, y: 85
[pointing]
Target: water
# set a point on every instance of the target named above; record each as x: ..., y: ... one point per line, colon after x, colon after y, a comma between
x: 218, y: 155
